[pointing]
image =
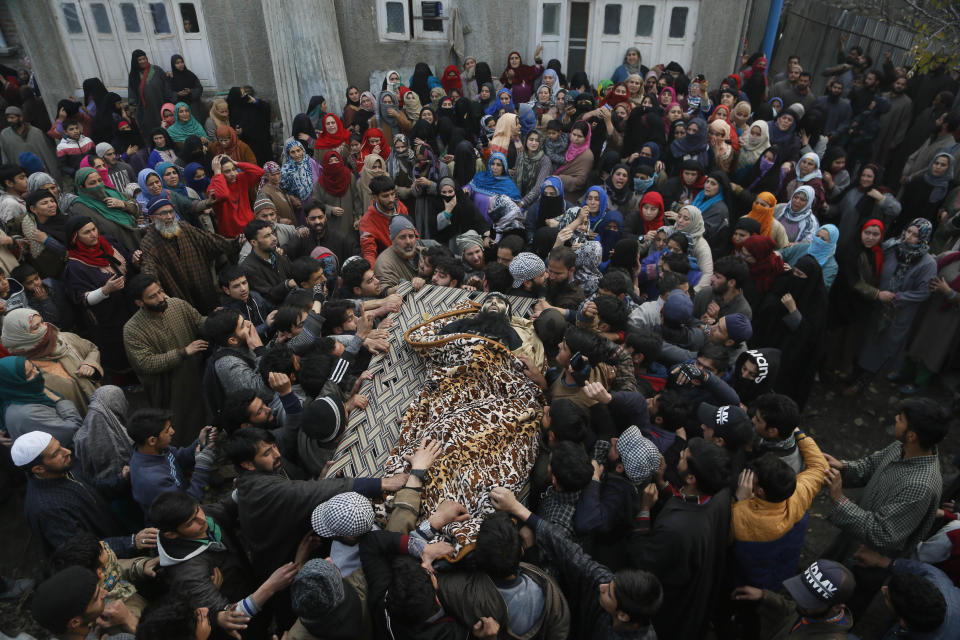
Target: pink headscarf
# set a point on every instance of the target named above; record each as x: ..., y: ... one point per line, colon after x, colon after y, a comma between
x: 103, y: 171
x: 574, y: 150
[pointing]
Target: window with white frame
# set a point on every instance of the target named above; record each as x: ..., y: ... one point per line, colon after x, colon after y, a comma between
x: 413, y: 19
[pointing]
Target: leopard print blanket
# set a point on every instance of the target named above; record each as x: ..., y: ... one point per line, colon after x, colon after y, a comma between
x: 485, y: 411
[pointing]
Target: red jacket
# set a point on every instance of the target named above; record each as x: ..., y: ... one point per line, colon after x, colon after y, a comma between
x: 233, y: 207
x: 375, y: 232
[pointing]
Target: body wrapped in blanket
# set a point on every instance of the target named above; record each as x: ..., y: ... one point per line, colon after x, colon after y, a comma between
x: 485, y: 411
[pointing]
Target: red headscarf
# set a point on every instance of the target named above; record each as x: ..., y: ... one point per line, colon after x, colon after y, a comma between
x: 101, y: 255
x: 335, y: 177
x: 768, y: 264
x: 877, y: 249
x: 523, y: 74
x: 331, y: 141
x: 654, y: 198
x: 402, y: 91
x: 451, y: 78
x: 367, y: 148
x: 612, y: 99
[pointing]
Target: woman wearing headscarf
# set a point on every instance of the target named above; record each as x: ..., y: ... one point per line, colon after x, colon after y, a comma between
x: 762, y: 212
x: 533, y: 167
x: 27, y: 405
x: 219, y: 115
x: 632, y: 65
x: 400, y: 168
x: 796, y: 216
x: 722, y: 154
x: 506, y: 137
x: 100, y: 166
x: 427, y: 172
x: 689, y: 222
x: 315, y: 110
x: 194, y: 151
x: 865, y: 200
x: 337, y: 190
x: 792, y: 317
x: 109, y: 114
x: 70, y: 364
x: 184, y: 84
x: 466, y: 162
x: 162, y: 148
x: 37, y: 181
x: 945, y: 235
x: 713, y: 202
x: 251, y: 116
x: 373, y: 166
x: 823, y: 248
x: 44, y: 225
x: 543, y: 105
x: 752, y: 146
x: 501, y: 104
x: 227, y: 142
x: 620, y: 191
x: 765, y: 264
x: 451, y: 79
x: 94, y: 279
x: 853, y: 295
x: 102, y: 445
x: 783, y: 134
x: 418, y: 81
x: 924, y: 194
x: 185, y: 125
x: 114, y: 215
x: 519, y: 77
x: 458, y: 215
x: 693, y: 146
x: 196, y: 177
x: 411, y: 109
x: 93, y: 92
x: 835, y: 177
x: 390, y: 118
x: 351, y: 107
x: 807, y: 172
x: 298, y: 173
x: 333, y: 136
x: 231, y: 193
x: 188, y: 205
x: 904, y: 285
x: 303, y: 131
x: 269, y: 187
x: 578, y: 161
x: 374, y: 143
x: 766, y: 175
x: 493, y: 182
x: 147, y: 90
x: 468, y: 78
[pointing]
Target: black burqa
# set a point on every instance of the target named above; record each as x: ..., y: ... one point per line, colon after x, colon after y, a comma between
x: 252, y: 115
x: 107, y: 118
x: 187, y: 79
x: 418, y: 82
x: 801, y: 345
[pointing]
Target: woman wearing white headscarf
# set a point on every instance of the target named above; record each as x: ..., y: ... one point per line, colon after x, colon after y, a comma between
x: 797, y: 216
x: 102, y: 445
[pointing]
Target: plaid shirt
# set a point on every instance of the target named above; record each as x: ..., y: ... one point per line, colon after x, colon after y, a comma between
x: 559, y: 507
x: 899, y: 502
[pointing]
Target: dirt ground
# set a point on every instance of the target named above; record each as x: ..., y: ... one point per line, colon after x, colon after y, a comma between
x: 847, y: 428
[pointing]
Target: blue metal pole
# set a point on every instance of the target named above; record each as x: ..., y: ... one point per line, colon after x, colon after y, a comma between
x: 770, y: 34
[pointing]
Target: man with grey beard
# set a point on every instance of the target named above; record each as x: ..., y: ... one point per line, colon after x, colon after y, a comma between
x: 181, y: 256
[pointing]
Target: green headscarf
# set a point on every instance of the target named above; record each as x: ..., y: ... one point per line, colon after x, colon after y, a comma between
x: 16, y: 388
x: 95, y: 198
x: 179, y: 131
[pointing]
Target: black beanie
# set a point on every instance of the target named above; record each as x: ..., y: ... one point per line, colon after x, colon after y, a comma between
x: 63, y: 596
x: 74, y: 224
x: 323, y: 419
x: 34, y: 197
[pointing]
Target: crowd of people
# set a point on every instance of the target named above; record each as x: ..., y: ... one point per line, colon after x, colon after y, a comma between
x: 697, y: 257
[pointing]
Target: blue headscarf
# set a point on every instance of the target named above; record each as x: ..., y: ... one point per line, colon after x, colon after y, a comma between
x: 597, y: 221
x: 822, y: 249
x: 181, y: 187
x: 555, y: 182
x: 144, y: 196
x: 528, y: 119
x: 607, y: 237
x: 491, y: 185
x: 556, y: 82
x: 654, y: 150
x: 495, y: 105
x: 702, y: 202
x: 190, y: 172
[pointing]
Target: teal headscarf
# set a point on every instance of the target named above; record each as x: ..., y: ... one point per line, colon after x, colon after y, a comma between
x: 16, y: 388
x: 180, y: 130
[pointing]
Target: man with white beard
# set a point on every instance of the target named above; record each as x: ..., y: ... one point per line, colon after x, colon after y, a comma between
x: 181, y: 256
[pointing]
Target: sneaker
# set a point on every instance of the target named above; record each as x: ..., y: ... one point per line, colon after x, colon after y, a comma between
x: 909, y: 389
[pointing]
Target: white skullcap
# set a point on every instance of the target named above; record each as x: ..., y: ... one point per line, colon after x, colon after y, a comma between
x: 27, y: 447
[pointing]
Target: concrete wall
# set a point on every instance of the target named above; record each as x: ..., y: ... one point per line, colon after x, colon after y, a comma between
x: 496, y: 28
x: 719, y: 29
x: 239, y: 46
x: 37, y: 29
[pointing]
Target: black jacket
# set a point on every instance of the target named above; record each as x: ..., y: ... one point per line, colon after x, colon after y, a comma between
x: 270, y: 280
